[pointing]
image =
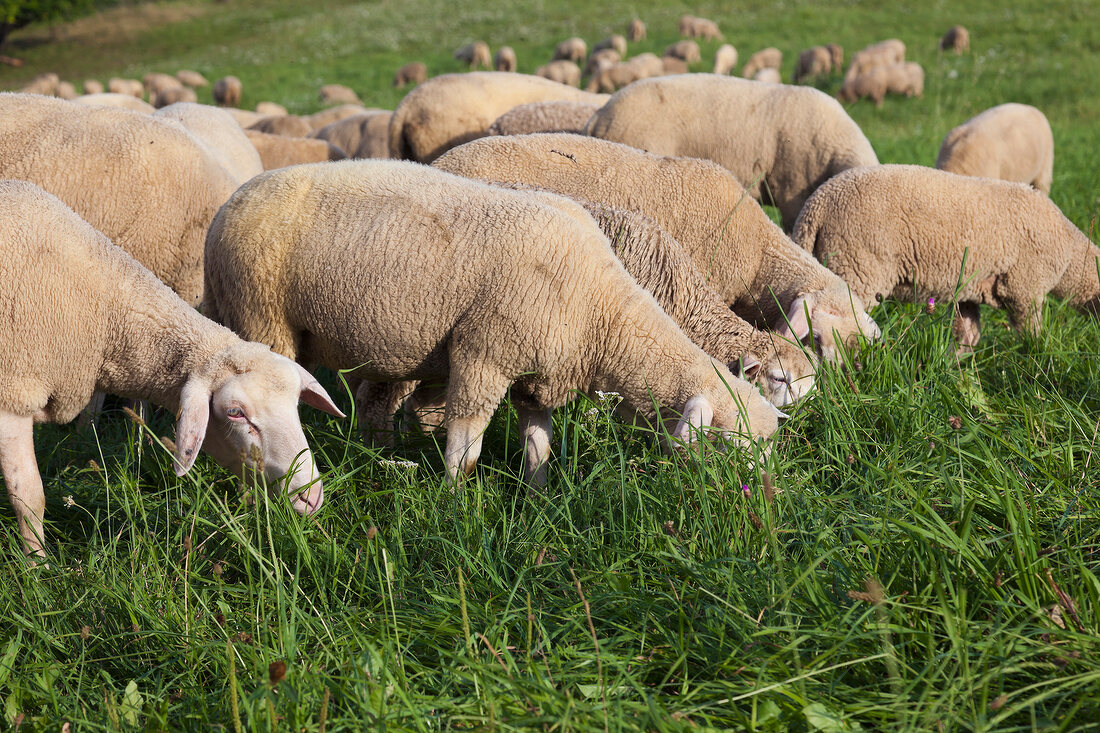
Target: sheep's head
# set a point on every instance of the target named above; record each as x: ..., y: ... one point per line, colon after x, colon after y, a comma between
x: 786, y: 373
x: 242, y: 409
x: 834, y: 318
x: 730, y: 410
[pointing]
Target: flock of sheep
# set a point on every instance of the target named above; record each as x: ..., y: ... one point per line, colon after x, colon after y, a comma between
x: 525, y: 239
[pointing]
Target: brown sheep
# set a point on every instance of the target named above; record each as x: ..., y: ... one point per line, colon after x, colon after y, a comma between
x: 414, y: 72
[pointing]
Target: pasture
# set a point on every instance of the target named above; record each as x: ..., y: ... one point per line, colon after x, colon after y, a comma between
x: 919, y: 551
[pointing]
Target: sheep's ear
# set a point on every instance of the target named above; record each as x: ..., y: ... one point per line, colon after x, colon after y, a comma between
x: 314, y: 395
x: 698, y: 414
x: 191, y: 423
x: 750, y: 367
x: 798, y: 322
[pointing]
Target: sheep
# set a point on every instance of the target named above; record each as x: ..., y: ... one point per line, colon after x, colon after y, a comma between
x: 746, y: 258
x: 613, y: 42
x: 571, y: 49
x: 543, y: 117
x: 317, y: 120
x: 474, y: 55
x: 227, y: 92
x: 685, y: 25
x: 222, y: 136
x: 91, y: 86
x: 362, y: 136
x: 905, y: 231
x: 768, y: 75
x: 780, y: 141
x: 504, y: 59
x: 671, y: 65
x: 725, y: 59
x: 836, y: 53
x: 414, y: 72
x: 155, y: 82
x: 635, y: 31
x: 108, y: 99
x: 1012, y: 142
x: 145, y: 182
x: 285, y: 125
x: 191, y: 78
x: 561, y: 71
x: 687, y: 51
x: 883, y: 53
x: 45, y: 84
x: 93, y: 318
x: 244, y: 117
x: 815, y: 61
x: 173, y: 95
x: 692, y: 27
x: 642, y: 66
x: 66, y: 90
x: 270, y: 109
x: 277, y: 151
x: 450, y: 109
x: 338, y: 94
x: 956, y: 39
x: 905, y: 78
x: 601, y: 60
x: 768, y: 58
x: 323, y: 248
x: 132, y: 87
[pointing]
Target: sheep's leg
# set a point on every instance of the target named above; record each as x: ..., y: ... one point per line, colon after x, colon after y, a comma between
x: 91, y: 412
x: 1026, y: 315
x: 472, y: 398
x: 537, y: 427
x: 967, y: 327
x: 376, y: 403
x: 427, y: 405
x: 22, y: 478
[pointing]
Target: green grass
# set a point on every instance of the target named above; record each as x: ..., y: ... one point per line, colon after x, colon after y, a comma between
x: 930, y: 562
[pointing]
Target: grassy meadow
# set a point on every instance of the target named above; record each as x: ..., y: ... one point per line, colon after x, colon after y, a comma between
x: 919, y: 551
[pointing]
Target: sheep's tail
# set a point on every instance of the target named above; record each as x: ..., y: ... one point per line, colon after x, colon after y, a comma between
x: 808, y: 224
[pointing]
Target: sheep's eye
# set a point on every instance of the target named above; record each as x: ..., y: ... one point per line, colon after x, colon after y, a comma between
x: 235, y: 413
x: 777, y: 378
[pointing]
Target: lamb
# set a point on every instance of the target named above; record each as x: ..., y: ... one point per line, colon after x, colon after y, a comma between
x: 687, y: 51
x: 191, y: 78
x: 362, y: 136
x: 725, y: 59
x: 93, y: 318
x: 277, y: 151
x: 414, y: 72
x: 883, y: 53
x: 227, y: 92
x: 450, y: 109
x: 109, y: 99
x: 285, y: 125
x: 768, y: 75
x: 600, y: 60
x: 317, y: 120
x: 781, y: 142
x: 1012, y: 142
x: 905, y: 231
x: 813, y: 62
x: 270, y: 109
x: 768, y: 58
x: 543, y: 117
x: 338, y: 94
x: 91, y: 86
x: 474, y: 55
x: 635, y: 31
x: 174, y: 95
x: 132, y: 87
x: 571, y: 49
x: 322, y: 272
x: 614, y: 42
x: 219, y: 132
x: 561, y: 71
x: 751, y: 264
x: 956, y: 39
x: 116, y: 169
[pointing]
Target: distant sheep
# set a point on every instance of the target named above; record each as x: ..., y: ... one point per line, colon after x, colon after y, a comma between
x: 285, y: 125
x: 556, y: 116
x: 192, y: 79
x: 768, y: 75
x: 883, y: 53
x: 338, y: 94
x: 45, y: 84
x: 693, y: 27
x: 277, y: 151
x: 91, y: 86
x: 66, y: 90
x: 227, y: 92
x: 132, y: 87
x: 317, y: 120
x: 475, y: 55
x: 614, y: 42
x: 642, y: 66
x: 1012, y: 142
x: 725, y: 59
x: 903, y: 79
x: 172, y: 95
x: 687, y: 51
x: 671, y: 65
x: 768, y: 58
x: 362, y: 136
x: 635, y: 31
x: 156, y: 82
x: 956, y: 39
x: 504, y: 59
x: 414, y: 72
x: 813, y: 62
x: 561, y: 71
x: 601, y: 60
x: 270, y: 109
x: 571, y: 49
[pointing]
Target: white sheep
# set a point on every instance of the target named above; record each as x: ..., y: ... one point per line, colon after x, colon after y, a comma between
x: 768, y: 75
x: 571, y: 49
x: 883, y: 53
x: 338, y: 94
x: 132, y: 87
x: 767, y: 58
x: 725, y: 59
x: 543, y: 117
x: 92, y: 318
x: 191, y: 78
x: 219, y: 132
x: 561, y: 71
x: 91, y: 86
x: 499, y: 290
x: 1010, y: 141
x: 686, y: 51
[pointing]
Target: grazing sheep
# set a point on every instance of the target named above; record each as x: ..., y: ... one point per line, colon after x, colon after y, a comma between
x: 504, y: 59
x: 173, y: 95
x: 687, y: 51
x: 692, y: 27
x: 66, y: 90
x: 956, y: 39
x: 192, y: 79
x: 324, y: 248
x: 635, y: 31
x: 614, y: 42
x: 872, y: 84
x: 642, y: 66
x: 752, y: 265
x: 836, y: 53
x: 767, y: 58
x: 338, y: 94
x: 317, y: 120
x: 277, y: 151
x: 145, y: 182
x: 571, y: 49
x: 768, y: 75
x: 413, y: 72
x: 285, y: 125
x: 815, y: 61
x: 219, y: 132
x: 883, y: 53
x: 270, y: 109
x: 1012, y: 142
x: 671, y: 65
x: 474, y: 55
x: 543, y: 117
x: 227, y: 92
x: 450, y: 109
x: 45, y: 84
x: 725, y: 59
x: 91, y: 86
x: 601, y: 60
x: 92, y: 318
x: 155, y: 82
x: 684, y: 26
x: 561, y: 71
x: 780, y: 141
x: 904, y: 231
x: 132, y: 87
x: 907, y: 79
x: 125, y: 101
x: 362, y: 136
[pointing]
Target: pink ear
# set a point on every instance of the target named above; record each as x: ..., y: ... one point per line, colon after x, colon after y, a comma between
x: 749, y: 367
x: 698, y: 414
x: 798, y: 323
x: 314, y: 395
x: 191, y: 425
